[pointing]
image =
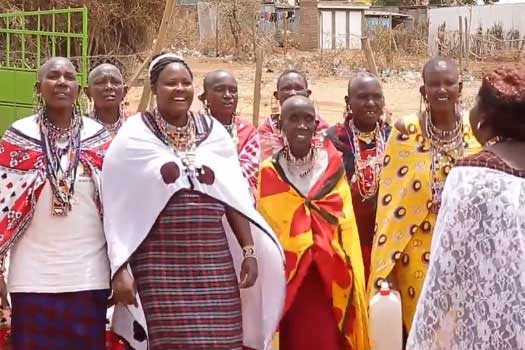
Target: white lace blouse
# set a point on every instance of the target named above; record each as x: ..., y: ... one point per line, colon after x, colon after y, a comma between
x: 474, y: 293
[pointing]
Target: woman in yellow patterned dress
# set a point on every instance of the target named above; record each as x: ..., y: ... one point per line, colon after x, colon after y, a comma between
x: 419, y: 155
x: 304, y: 196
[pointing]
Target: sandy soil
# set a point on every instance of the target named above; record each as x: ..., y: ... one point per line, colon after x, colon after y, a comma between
x: 402, y: 96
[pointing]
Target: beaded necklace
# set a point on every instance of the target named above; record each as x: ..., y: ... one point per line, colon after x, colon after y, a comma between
x: 446, y: 148
x: 367, y: 185
x: 181, y: 139
x: 61, y: 148
x: 112, y: 128
x: 303, y: 166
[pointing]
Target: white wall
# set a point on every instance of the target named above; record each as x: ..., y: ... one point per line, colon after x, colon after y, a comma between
x: 345, y: 21
x: 510, y: 16
x: 356, y: 29
x: 326, y: 31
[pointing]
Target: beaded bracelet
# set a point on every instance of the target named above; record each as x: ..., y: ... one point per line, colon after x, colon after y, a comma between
x: 249, y: 252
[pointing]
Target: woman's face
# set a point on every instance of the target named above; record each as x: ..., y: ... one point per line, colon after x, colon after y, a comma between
x: 106, y: 87
x: 441, y: 87
x: 290, y: 85
x: 58, y: 84
x: 222, y: 97
x: 298, y: 124
x: 174, y: 90
x: 366, y: 101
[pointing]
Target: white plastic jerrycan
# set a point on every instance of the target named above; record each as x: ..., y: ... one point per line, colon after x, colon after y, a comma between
x: 386, y: 323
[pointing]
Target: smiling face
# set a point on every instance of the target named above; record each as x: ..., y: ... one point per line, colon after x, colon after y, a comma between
x: 106, y: 87
x: 298, y: 124
x: 174, y: 90
x: 441, y: 87
x: 366, y: 101
x: 57, y: 83
x: 221, y: 95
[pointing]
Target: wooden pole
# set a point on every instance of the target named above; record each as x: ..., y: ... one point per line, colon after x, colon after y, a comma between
x: 157, y: 47
x: 255, y: 20
x: 369, y: 56
x: 460, y: 53
x: 467, y: 42
x: 285, y: 34
x: 139, y: 70
x: 521, y: 48
x: 257, y: 86
x: 217, y: 31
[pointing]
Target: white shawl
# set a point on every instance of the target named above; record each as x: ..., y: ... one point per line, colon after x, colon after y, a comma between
x: 134, y: 194
x: 474, y: 292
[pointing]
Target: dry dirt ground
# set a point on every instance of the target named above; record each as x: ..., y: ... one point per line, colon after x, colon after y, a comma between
x: 402, y: 95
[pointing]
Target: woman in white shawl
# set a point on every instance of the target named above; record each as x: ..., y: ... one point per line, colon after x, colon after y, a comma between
x: 172, y: 189
x: 474, y: 293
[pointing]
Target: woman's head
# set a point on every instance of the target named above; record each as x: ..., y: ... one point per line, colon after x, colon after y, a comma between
x: 441, y: 85
x: 365, y: 101
x: 298, y: 124
x: 57, y: 84
x: 290, y: 83
x: 106, y: 87
x: 220, y: 95
x: 500, y: 105
x: 171, y: 82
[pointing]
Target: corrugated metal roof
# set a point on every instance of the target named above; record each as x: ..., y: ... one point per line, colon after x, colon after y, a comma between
x: 342, y: 5
x: 386, y: 14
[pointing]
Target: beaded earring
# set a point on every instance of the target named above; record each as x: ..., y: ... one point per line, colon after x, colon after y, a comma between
x: 38, y: 103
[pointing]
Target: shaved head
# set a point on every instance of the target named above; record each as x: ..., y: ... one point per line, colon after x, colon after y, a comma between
x: 220, y: 95
x: 440, y: 64
x: 104, y: 68
x: 53, y: 61
x: 295, y: 103
x: 298, y: 124
x: 361, y: 78
x: 213, y: 77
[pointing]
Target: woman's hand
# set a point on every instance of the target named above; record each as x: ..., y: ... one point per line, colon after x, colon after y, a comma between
x: 249, y: 272
x: 3, y: 293
x: 124, y: 288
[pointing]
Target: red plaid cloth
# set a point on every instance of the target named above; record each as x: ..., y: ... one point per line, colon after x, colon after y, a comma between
x: 186, y: 278
x: 113, y: 342
x: 249, y: 149
x: 487, y: 159
x: 59, y: 321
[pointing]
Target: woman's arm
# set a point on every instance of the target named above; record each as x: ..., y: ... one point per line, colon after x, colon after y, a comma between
x: 241, y: 228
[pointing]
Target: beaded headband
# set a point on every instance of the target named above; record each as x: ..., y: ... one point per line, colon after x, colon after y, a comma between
x: 166, y: 55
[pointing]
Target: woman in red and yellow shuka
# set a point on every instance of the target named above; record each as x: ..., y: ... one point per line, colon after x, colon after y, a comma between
x: 304, y: 196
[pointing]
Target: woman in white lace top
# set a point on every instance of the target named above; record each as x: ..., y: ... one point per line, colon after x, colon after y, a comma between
x: 474, y: 293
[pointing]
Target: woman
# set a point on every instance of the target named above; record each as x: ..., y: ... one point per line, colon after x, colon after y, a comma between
x: 175, y: 248
x: 51, y: 222
x: 220, y: 99
x: 362, y: 138
x: 304, y: 196
x: 473, y: 294
x: 290, y: 83
x: 419, y: 155
x: 107, y: 91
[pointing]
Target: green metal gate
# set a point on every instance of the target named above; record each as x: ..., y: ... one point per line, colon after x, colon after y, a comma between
x: 27, y: 39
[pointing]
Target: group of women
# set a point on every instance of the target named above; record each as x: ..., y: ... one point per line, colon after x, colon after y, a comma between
x: 207, y: 233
